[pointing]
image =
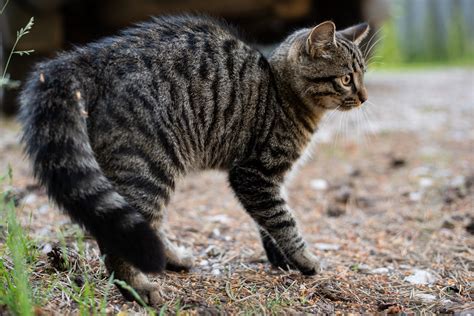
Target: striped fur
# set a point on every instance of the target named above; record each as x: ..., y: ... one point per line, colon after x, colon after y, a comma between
x: 110, y: 127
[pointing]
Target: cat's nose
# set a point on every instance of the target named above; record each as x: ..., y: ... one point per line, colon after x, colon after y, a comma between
x: 363, y: 95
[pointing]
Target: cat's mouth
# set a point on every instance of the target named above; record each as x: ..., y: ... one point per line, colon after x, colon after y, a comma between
x: 349, y: 105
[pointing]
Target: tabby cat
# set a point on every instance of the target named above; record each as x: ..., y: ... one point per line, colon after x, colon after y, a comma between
x: 110, y: 128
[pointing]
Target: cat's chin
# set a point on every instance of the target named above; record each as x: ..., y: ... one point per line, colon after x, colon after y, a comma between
x: 348, y: 107
x: 344, y: 108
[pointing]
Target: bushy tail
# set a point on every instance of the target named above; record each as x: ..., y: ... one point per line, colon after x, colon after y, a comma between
x: 53, y: 105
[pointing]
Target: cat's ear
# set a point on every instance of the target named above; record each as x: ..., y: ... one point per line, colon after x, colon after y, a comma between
x: 356, y: 33
x: 321, y: 38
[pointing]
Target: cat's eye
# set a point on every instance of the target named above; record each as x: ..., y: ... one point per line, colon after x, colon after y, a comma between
x: 346, y: 80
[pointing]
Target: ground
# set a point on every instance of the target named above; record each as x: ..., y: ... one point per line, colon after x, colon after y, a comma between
x: 385, y: 202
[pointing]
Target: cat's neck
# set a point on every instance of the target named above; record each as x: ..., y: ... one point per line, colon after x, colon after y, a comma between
x: 306, y: 116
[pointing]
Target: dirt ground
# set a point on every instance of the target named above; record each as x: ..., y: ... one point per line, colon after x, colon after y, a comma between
x: 386, y: 203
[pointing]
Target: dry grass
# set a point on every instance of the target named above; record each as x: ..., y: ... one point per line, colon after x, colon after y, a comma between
x: 389, y: 222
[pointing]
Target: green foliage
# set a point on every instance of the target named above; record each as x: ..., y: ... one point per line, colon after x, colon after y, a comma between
x: 397, y: 49
x: 5, y: 78
x: 388, y: 50
x: 4, y: 7
x: 16, y: 255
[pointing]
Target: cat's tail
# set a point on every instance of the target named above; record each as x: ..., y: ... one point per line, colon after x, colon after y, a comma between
x: 53, y: 114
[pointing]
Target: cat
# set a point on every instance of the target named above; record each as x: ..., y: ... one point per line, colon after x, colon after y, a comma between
x: 110, y: 128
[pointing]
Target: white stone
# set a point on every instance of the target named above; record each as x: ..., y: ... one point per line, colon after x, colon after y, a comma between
x: 222, y: 218
x: 421, y: 277
x: 380, y: 271
x: 458, y: 182
x: 425, y: 182
x: 216, y: 232
x: 319, y: 184
x: 427, y: 298
x: 43, y: 209
x: 324, y: 246
x: 415, y: 196
x: 30, y: 199
x: 47, y: 249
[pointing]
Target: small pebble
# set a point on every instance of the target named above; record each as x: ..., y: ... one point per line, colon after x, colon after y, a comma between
x: 397, y: 162
x: 426, y: 298
x: 46, y: 249
x: 470, y: 227
x: 221, y: 218
x: 216, y: 271
x: 30, y: 199
x: 212, y: 251
x: 421, y: 277
x: 355, y: 173
x: 363, y: 268
x: 380, y: 271
x: 415, y: 196
x: 458, y: 182
x: 324, y: 246
x: 216, y: 233
x: 79, y: 280
x: 335, y: 211
x: 425, y: 182
x: 343, y: 194
x: 43, y: 209
x: 446, y: 302
x: 319, y: 184
x: 448, y: 225
x: 364, y: 202
x: 421, y: 171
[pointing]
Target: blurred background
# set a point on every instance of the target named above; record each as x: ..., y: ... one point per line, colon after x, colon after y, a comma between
x: 406, y: 32
x: 387, y: 197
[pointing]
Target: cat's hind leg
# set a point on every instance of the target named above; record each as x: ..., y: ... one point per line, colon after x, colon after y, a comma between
x: 150, y: 292
x: 134, y: 176
x: 178, y: 258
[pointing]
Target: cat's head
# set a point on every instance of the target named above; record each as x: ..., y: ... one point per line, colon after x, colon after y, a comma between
x: 327, y: 67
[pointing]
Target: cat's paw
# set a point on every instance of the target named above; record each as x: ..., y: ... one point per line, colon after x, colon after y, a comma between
x: 279, y: 261
x: 276, y: 257
x: 306, y: 262
x: 151, y: 293
x: 179, y: 259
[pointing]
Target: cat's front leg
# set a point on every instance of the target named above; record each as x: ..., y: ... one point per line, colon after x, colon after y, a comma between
x: 260, y: 195
x: 274, y: 254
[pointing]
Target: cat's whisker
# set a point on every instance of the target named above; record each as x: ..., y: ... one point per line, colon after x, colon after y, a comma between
x: 373, y: 58
x: 370, y: 128
x: 366, y: 53
x: 338, y: 131
x: 346, y: 126
x: 371, y: 111
x: 331, y: 115
x: 360, y: 134
x: 364, y: 123
x: 343, y: 127
x: 374, y: 45
x: 375, y: 63
x: 370, y: 40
